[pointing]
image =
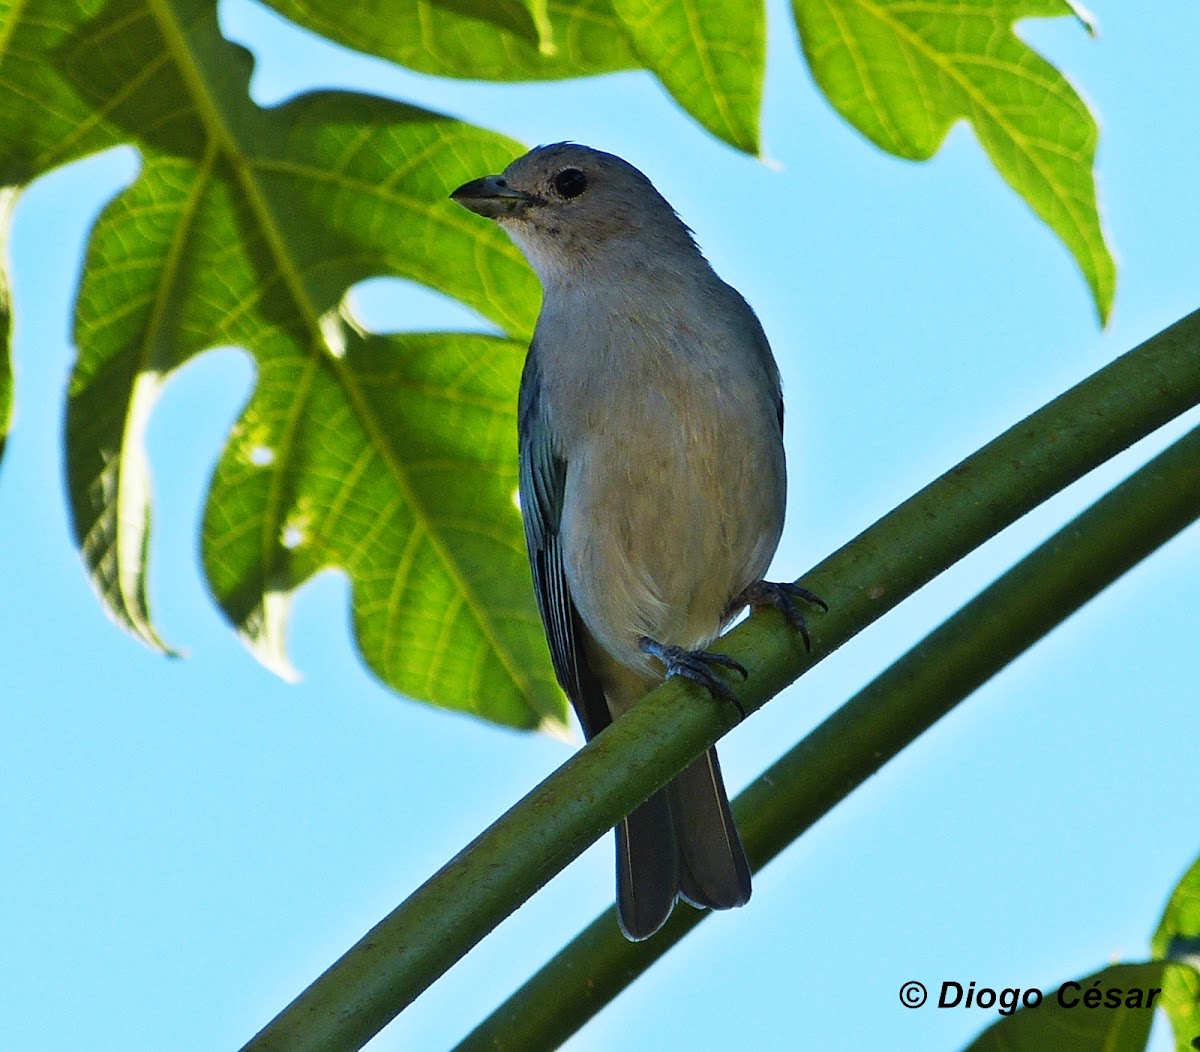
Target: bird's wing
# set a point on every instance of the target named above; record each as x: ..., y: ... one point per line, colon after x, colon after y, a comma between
x: 542, y: 482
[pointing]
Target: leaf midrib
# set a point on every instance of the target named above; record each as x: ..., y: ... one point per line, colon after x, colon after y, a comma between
x: 226, y: 143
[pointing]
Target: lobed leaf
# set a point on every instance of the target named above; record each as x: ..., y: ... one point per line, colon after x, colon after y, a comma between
x: 475, y: 40
x: 905, y: 71
x: 247, y: 227
x: 391, y: 458
x: 8, y: 198
x: 1178, y: 940
x: 394, y: 462
x: 710, y: 55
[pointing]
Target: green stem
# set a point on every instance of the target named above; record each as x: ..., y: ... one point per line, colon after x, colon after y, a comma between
x: 458, y: 906
x: 1009, y: 616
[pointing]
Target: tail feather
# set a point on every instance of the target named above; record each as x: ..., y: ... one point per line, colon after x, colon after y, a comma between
x: 713, y: 869
x: 647, y: 868
x: 682, y: 841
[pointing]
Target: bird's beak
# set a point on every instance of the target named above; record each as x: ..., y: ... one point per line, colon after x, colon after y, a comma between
x: 492, y: 197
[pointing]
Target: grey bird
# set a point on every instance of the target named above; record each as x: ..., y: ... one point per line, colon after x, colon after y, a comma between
x: 652, y: 483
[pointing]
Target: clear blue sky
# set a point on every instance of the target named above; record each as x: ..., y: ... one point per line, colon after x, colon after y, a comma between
x: 186, y: 844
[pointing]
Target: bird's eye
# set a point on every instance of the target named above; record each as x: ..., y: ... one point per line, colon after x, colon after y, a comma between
x: 570, y: 182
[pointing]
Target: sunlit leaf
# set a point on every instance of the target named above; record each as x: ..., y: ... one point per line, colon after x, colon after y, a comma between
x: 8, y: 197
x: 475, y: 40
x: 710, y: 55
x: 389, y: 458
x: 246, y: 227
x: 1178, y: 940
x: 394, y: 462
x: 903, y: 73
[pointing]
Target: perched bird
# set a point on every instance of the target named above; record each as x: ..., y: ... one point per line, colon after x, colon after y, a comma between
x: 652, y: 482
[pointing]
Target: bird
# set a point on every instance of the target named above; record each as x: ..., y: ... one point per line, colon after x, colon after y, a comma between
x: 652, y: 484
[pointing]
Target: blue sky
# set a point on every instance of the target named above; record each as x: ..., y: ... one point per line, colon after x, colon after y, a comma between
x: 188, y: 843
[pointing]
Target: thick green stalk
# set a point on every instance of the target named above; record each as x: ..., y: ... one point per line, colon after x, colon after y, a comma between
x: 1009, y: 616
x: 643, y: 750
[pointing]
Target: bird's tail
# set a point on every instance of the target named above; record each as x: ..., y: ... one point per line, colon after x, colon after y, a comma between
x: 647, y: 867
x: 713, y: 871
x: 682, y: 841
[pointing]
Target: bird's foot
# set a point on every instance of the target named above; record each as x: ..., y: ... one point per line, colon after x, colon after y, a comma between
x: 782, y: 597
x: 696, y: 665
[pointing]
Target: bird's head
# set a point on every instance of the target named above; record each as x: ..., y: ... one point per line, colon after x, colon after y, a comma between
x: 566, y: 205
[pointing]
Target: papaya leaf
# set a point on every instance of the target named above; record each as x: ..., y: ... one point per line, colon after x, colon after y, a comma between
x: 710, y: 55
x: 475, y: 40
x: 1178, y: 939
x: 390, y: 458
x: 8, y: 198
x: 43, y: 123
x: 1066, y: 1021
x: 903, y: 74
x: 394, y: 462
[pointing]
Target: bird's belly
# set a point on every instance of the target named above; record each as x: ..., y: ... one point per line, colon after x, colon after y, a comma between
x: 658, y: 538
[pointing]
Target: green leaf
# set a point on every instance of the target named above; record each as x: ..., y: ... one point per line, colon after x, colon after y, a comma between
x: 1181, y: 1001
x: 389, y: 458
x: 46, y: 121
x: 526, y: 18
x: 1051, y: 1027
x: 473, y: 39
x: 394, y: 462
x: 43, y: 123
x: 904, y: 73
x: 1178, y: 939
x: 8, y: 199
x: 710, y: 55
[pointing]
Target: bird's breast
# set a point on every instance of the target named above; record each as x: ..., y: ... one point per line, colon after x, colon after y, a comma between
x: 674, y: 494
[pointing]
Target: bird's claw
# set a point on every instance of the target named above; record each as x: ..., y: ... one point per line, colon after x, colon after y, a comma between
x: 782, y: 596
x: 696, y: 666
